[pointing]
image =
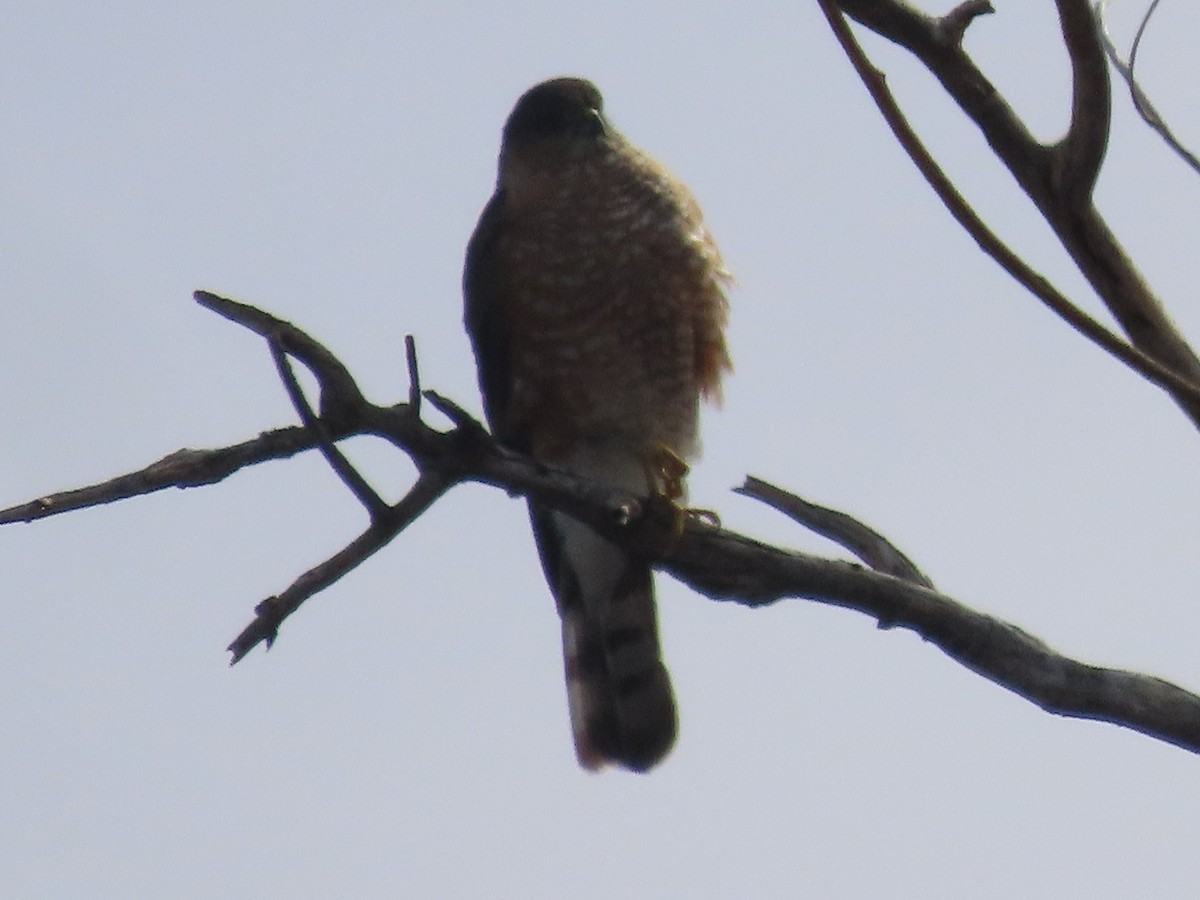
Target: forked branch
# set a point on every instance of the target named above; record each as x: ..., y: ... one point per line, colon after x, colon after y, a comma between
x: 1058, y: 178
x: 717, y: 563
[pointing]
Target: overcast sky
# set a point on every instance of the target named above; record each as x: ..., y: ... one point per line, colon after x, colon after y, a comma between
x: 408, y: 734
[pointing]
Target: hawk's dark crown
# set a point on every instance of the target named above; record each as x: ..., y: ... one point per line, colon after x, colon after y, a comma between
x: 560, y: 108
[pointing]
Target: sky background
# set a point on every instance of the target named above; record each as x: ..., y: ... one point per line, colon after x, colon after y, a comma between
x: 408, y: 734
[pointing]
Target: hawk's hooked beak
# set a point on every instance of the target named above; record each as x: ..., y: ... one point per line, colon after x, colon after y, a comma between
x: 598, y: 122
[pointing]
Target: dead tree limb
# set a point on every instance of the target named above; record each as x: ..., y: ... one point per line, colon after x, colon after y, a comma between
x: 863, y: 541
x: 1141, y: 100
x: 1057, y: 177
x: 717, y: 563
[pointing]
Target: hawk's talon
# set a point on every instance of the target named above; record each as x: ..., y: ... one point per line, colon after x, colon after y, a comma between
x: 671, y: 516
x: 679, y: 519
x: 707, y: 517
x: 665, y: 471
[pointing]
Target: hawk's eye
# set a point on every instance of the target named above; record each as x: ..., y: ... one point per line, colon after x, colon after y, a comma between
x: 562, y: 117
x: 556, y: 114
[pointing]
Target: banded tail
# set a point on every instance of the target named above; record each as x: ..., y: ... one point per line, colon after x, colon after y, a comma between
x: 618, y: 691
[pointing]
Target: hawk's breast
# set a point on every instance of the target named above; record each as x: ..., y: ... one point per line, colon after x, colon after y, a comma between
x: 616, y: 304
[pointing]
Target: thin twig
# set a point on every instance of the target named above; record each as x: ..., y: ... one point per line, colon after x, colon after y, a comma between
x: 452, y: 411
x: 1141, y: 100
x: 860, y: 539
x: 349, y: 475
x: 185, y: 468
x: 1137, y: 38
x: 414, y: 374
x: 270, y: 613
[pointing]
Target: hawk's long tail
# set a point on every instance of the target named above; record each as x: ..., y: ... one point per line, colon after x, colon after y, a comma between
x: 619, y: 694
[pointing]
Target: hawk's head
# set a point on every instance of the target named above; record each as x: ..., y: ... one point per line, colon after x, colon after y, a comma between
x: 563, y: 110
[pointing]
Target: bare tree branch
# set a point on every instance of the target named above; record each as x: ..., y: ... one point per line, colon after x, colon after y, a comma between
x: 717, y: 563
x: 1141, y: 100
x: 727, y: 566
x: 1081, y: 152
x: 987, y: 239
x: 338, y: 388
x: 270, y: 613
x: 1057, y: 178
x: 862, y: 540
x: 337, y: 461
x: 184, y: 468
x: 955, y: 23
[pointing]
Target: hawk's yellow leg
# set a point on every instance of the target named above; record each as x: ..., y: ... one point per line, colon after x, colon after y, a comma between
x: 665, y: 473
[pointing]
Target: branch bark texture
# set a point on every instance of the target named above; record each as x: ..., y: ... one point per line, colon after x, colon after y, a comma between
x: 717, y: 563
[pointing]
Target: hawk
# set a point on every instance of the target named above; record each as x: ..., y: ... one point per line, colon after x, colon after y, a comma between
x: 595, y: 303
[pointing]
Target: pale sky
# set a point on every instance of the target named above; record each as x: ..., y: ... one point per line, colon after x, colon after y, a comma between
x: 408, y: 734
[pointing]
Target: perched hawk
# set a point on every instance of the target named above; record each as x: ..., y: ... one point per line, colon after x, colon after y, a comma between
x: 595, y: 303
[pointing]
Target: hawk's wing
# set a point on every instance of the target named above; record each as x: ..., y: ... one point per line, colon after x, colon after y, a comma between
x: 485, y: 317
